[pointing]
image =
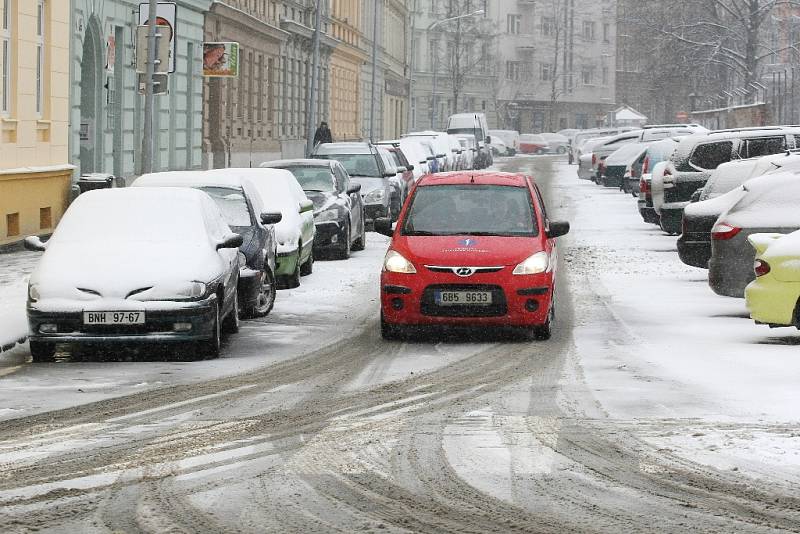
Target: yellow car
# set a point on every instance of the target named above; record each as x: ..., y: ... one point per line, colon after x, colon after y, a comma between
x: 773, y: 298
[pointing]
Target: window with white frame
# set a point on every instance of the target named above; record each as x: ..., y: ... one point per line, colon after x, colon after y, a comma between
x: 587, y: 75
x: 513, y: 24
x: 545, y: 72
x: 40, y: 51
x: 513, y: 70
x: 5, y: 36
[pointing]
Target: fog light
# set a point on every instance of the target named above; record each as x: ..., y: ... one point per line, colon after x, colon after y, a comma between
x: 182, y: 327
x: 531, y: 305
x: 335, y: 239
x: 48, y: 328
x: 397, y: 303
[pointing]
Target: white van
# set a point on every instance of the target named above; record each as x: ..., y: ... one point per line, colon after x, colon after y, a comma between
x: 475, y: 124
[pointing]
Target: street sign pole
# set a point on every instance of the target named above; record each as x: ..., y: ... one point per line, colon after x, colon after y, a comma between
x: 311, y: 115
x: 374, y: 69
x: 148, y: 139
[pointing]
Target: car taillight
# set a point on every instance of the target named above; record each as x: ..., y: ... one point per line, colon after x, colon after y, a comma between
x: 646, y: 165
x: 724, y: 231
x: 644, y: 187
x: 761, y: 267
x: 594, y: 160
x: 667, y: 172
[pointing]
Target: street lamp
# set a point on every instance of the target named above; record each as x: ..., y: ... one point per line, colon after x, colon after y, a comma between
x: 436, y: 55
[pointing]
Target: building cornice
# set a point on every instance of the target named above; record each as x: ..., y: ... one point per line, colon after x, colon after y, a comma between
x: 247, y: 21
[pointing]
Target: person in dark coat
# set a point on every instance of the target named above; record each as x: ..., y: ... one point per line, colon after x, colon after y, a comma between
x: 323, y: 134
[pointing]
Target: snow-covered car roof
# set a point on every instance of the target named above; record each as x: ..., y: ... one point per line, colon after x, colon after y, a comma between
x: 281, y: 163
x: 344, y: 148
x: 769, y: 202
x: 215, y: 178
x: 627, y: 154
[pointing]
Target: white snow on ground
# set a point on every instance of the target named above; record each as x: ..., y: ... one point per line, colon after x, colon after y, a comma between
x: 667, y: 348
x: 15, y: 269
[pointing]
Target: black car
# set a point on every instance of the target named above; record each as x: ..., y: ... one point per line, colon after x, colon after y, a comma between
x: 339, y: 214
x: 243, y: 210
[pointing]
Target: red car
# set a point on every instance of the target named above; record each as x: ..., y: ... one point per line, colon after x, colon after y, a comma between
x: 533, y: 144
x: 471, y: 249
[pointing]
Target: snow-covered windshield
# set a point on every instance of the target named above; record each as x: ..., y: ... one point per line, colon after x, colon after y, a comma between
x: 356, y: 164
x: 231, y: 203
x: 313, y: 178
x: 490, y: 210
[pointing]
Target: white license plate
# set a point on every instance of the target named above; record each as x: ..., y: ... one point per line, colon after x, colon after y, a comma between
x: 463, y: 298
x: 113, y: 318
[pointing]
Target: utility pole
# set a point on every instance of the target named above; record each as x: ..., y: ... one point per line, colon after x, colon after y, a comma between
x: 148, y: 139
x: 374, y: 69
x: 410, y: 126
x: 311, y: 118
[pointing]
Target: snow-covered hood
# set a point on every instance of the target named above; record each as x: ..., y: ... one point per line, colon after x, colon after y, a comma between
x: 467, y: 251
x: 148, y: 270
x: 714, y: 206
x: 369, y: 184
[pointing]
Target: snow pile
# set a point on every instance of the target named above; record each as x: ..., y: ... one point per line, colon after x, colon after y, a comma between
x: 626, y: 155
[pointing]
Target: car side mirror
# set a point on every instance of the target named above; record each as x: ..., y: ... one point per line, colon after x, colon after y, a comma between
x: 488, y: 140
x: 354, y: 188
x: 34, y: 243
x: 410, y: 168
x: 232, y: 241
x: 557, y: 229
x: 271, y: 218
x: 306, y: 205
x: 383, y: 225
x: 402, y: 169
x: 389, y: 174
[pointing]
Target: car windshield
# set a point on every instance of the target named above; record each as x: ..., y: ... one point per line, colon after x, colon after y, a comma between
x: 232, y: 204
x: 356, y: 164
x: 490, y: 210
x: 313, y: 178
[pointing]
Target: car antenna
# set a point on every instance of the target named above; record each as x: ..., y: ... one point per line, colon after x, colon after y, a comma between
x: 472, y: 179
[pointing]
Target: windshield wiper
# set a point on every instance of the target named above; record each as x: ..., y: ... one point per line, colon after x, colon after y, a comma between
x: 362, y: 176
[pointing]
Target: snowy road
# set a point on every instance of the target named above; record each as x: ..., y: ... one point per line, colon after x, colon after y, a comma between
x: 657, y: 406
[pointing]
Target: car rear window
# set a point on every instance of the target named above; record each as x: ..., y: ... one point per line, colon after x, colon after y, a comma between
x: 232, y: 204
x: 488, y: 210
x: 313, y: 178
x: 363, y: 165
x: 709, y: 156
x: 763, y: 146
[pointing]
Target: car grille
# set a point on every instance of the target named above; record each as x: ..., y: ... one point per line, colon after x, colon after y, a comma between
x: 498, y: 308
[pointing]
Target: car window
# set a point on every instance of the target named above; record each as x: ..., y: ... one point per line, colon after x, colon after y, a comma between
x: 709, y: 156
x: 763, y: 146
x: 313, y: 178
x: 343, y: 179
x: 364, y: 165
x: 232, y: 204
x: 490, y: 210
x: 213, y: 221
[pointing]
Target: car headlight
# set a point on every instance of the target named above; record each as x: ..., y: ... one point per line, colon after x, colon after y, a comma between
x: 375, y: 196
x: 327, y: 216
x: 194, y: 290
x: 33, y: 292
x: 536, y: 264
x: 394, y: 262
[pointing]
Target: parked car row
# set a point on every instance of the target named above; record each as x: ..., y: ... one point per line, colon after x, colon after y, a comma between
x: 733, y: 197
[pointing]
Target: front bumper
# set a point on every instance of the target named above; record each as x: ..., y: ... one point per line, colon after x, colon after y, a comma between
x: 158, y: 327
x: 773, y: 303
x: 407, y: 299
x: 286, y: 263
x: 329, y: 234
x: 377, y: 211
x: 672, y: 217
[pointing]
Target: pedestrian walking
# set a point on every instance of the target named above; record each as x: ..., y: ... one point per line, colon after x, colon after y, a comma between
x: 323, y: 134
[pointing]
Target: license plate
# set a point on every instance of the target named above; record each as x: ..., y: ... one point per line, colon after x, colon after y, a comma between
x: 463, y: 298
x: 113, y: 318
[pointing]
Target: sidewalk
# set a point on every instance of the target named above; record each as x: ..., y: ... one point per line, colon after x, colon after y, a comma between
x: 15, y: 269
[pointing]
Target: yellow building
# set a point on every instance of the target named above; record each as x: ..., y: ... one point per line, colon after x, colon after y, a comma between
x: 345, y: 70
x: 34, y: 112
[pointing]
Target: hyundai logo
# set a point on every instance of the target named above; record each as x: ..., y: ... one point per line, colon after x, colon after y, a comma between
x: 468, y: 242
x: 464, y: 272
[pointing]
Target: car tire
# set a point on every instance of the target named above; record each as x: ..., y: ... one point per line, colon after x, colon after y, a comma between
x: 344, y: 251
x: 230, y: 325
x: 42, y: 351
x: 266, y: 297
x: 308, y: 267
x: 210, y: 349
x: 361, y: 242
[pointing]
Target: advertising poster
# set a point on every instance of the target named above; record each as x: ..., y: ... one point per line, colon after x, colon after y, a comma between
x: 221, y: 60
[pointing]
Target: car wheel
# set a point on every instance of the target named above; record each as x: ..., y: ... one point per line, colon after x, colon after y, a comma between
x: 210, y: 349
x: 266, y: 297
x: 308, y: 267
x: 230, y: 324
x: 344, y: 252
x: 545, y: 331
x: 361, y: 242
x: 562, y: 150
x: 42, y: 351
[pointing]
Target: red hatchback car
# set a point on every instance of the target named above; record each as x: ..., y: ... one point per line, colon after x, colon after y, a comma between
x: 471, y: 249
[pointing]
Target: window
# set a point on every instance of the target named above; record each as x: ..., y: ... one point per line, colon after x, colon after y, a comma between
x: 764, y: 146
x: 433, y: 50
x: 605, y: 75
x: 513, y: 70
x: 587, y: 75
x: 513, y: 23
x: 5, y: 35
x: 588, y: 30
x: 40, y: 30
x: 12, y: 224
x: 548, y: 26
x: 545, y: 72
x: 709, y: 156
x: 606, y: 32
x: 45, y: 218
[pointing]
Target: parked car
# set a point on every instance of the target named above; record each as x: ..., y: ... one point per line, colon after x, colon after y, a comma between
x: 441, y: 146
x: 769, y: 205
x: 405, y: 168
x: 477, y: 125
x: 586, y: 164
x: 416, y: 155
x: 296, y: 231
x: 339, y: 214
x: 510, y: 138
x: 499, y: 148
x: 245, y: 212
x: 558, y: 144
x: 694, y: 244
x: 533, y: 144
x: 585, y: 135
x: 621, y: 166
x: 696, y: 156
x: 602, y: 150
x: 773, y: 298
x: 658, y: 152
x: 397, y: 182
x: 432, y: 276
x: 366, y: 167
x: 135, y: 265
x: 468, y: 142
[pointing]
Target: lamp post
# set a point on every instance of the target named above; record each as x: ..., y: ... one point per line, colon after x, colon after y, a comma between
x: 311, y: 118
x: 436, y: 55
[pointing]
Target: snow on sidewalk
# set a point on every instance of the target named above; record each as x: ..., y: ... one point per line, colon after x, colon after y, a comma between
x: 15, y: 269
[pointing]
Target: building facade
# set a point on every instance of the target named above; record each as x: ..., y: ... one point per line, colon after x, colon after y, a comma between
x: 346, y: 65
x: 557, y: 63
x: 107, y: 111
x: 34, y: 117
